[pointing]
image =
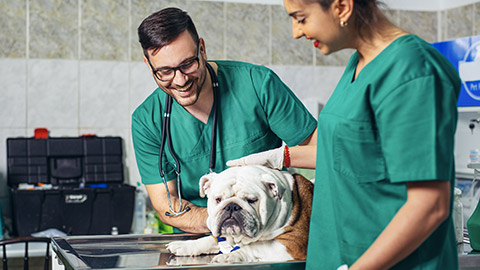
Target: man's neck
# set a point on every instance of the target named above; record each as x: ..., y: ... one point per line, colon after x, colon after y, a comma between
x: 202, y: 108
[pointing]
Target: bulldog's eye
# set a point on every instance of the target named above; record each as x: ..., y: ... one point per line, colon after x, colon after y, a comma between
x: 218, y: 200
x: 252, y: 201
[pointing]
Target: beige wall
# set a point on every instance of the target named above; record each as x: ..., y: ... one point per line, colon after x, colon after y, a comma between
x: 106, y: 29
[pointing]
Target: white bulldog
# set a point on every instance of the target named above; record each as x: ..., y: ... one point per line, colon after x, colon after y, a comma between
x: 263, y: 215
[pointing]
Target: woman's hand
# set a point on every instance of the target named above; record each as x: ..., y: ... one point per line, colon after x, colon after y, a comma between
x: 301, y: 156
x: 272, y: 158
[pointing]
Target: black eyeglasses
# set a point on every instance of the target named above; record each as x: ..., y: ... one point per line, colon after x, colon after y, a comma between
x: 189, y: 66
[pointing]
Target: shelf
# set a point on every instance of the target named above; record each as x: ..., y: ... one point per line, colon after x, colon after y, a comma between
x: 473, y: 165
x: 469, y: 109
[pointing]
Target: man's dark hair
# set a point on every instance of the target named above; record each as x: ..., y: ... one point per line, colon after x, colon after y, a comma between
x: 164, y: 26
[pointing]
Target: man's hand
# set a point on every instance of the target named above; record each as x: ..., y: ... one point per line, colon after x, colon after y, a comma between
x: 271, y: 158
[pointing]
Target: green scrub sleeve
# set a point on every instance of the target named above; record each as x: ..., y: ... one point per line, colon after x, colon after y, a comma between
x: 416, y: 121
x: 283, y: 109
x: 146, y: 144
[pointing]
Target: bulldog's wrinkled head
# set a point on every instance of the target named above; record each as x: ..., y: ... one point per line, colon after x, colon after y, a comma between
x: 247, y: 203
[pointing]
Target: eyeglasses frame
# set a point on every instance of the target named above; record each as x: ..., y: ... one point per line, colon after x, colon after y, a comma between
x: 179, y: 67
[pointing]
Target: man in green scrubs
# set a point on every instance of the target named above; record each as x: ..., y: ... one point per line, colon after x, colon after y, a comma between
x: 255, y: 112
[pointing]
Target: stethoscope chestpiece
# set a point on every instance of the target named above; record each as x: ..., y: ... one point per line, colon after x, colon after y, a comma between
x: 168, y: 214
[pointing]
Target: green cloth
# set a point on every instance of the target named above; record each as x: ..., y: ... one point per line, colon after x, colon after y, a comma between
x: 394, y: 123
x: 256, y: 112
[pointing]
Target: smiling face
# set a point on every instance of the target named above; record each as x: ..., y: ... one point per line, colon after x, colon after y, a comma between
x: 185, y: 89
x: 312, y: 21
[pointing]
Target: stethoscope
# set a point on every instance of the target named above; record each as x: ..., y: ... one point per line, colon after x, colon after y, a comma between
x: 166, y: 136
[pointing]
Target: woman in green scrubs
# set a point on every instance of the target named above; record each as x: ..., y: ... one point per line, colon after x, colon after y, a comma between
x: 385, y: 148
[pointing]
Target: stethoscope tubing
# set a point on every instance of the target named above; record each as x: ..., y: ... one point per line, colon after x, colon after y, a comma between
x: 213, y: 146
x: 166, y: 136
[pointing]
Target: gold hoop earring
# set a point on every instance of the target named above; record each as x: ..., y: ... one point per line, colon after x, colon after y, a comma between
x: 343, y: 24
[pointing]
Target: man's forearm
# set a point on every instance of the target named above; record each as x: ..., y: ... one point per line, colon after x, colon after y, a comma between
x: 192, y: 221
x: 303, y: 156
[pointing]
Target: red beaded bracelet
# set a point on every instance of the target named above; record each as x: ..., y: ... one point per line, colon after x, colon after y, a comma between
x: 286, y: 157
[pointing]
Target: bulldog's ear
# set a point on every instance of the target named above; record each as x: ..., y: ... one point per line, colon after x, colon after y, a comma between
x: 273, y: 188
x: 205, y: 183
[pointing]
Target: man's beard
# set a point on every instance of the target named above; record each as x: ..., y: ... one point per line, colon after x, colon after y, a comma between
x: 185, y: 103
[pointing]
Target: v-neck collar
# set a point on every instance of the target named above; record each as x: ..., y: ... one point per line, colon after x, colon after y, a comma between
x: 177, y: 108
x: 384, y: 53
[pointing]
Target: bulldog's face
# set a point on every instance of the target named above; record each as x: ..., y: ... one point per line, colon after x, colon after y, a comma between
x: 247, y: 201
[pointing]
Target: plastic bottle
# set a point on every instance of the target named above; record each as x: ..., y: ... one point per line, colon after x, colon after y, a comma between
x: 475, y: 156
x: 162, y: 227
x: 139, y: 221
x: 473, y: 226
x: 152, y: 223
x: 458, y: 216
x: 1, y: 222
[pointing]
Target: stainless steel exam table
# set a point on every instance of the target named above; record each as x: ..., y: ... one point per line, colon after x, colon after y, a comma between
x: 148, y: 251
x: 139, y: 252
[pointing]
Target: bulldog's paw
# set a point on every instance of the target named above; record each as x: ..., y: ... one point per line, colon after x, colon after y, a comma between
x: 184, y: 248
x: 204, y: 245
x: 220, y: 258
x: 233, y: 257
x: 184, y: 260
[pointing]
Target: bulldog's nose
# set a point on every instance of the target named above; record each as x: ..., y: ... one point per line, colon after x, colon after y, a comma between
x: 232, y: 207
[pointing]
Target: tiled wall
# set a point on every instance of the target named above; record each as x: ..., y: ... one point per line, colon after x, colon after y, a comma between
x: 75, y: 66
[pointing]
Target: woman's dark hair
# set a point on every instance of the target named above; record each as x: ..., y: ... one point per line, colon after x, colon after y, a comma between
x: 367, y: 14
x: 164, y: 26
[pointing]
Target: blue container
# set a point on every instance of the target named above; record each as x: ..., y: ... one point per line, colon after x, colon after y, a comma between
x: 464, y: 54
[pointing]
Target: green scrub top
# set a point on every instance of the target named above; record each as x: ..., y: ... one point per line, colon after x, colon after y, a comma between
x: 394, y: 123
x: 256, y: 112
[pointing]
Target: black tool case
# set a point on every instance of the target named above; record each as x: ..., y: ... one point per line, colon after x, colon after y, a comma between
x: 78, y: 185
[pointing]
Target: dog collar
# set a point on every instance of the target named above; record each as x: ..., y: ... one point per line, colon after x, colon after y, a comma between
x: 225, y: 247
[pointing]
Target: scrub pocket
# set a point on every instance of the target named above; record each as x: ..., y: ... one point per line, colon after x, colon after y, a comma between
x: 357, y: 152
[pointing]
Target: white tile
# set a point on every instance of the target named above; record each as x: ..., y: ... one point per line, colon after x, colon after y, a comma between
x: 52, y: 93
x: 104, y: 94
x: 310, y: 84
x: 142, y: 84
x: 325, y: 81
x: 13, y: 89
x: 131, y: 163
x: 313, y: 105
x: 297, y: 78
